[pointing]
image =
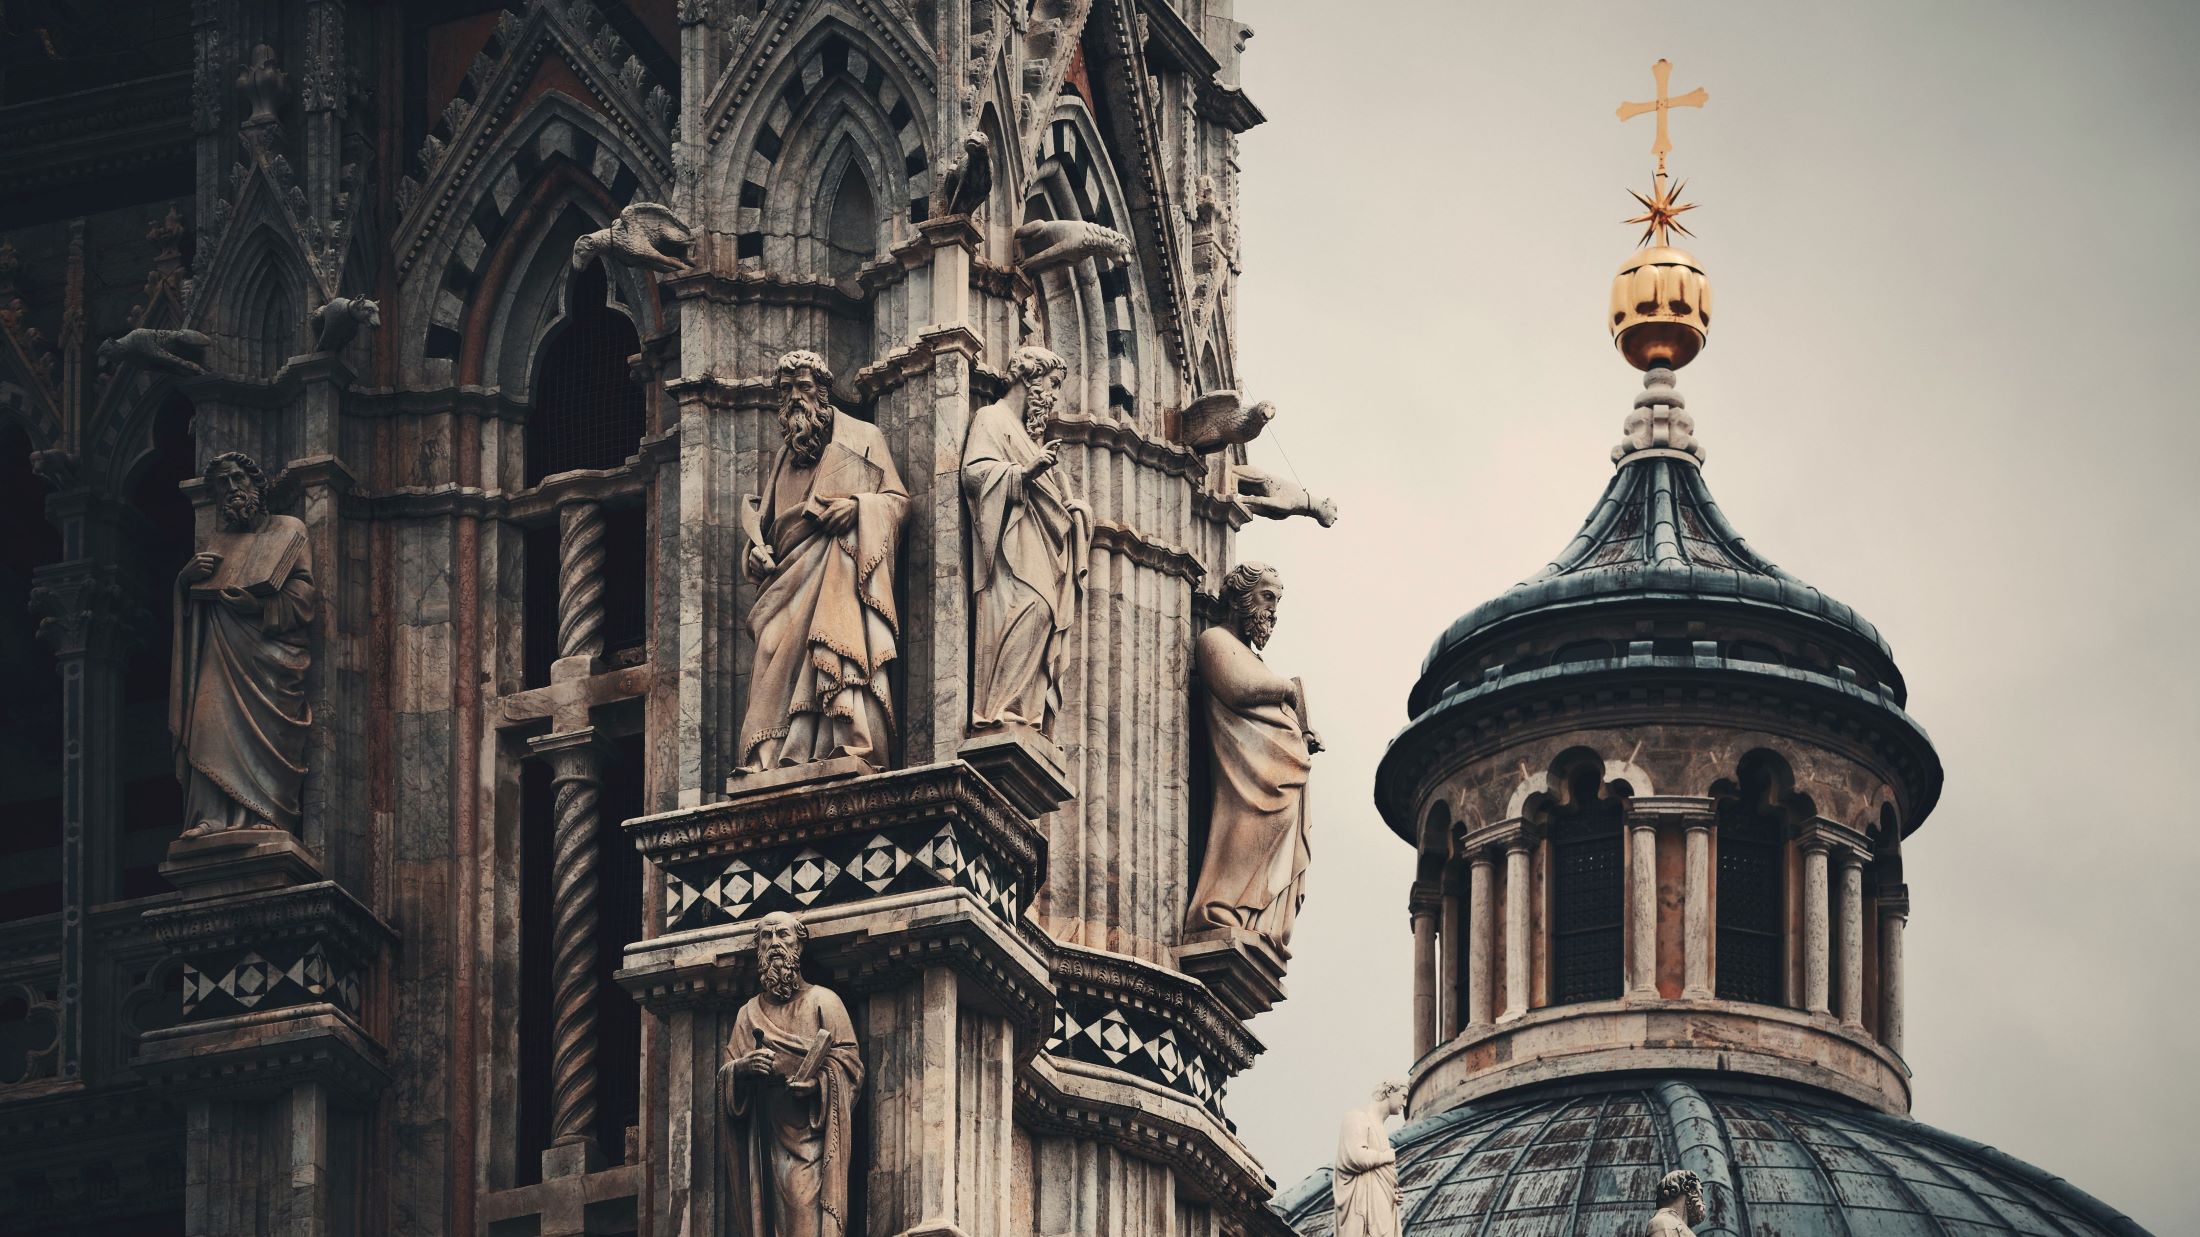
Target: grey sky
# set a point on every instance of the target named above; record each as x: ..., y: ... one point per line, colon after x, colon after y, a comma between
x: 1956, y: 248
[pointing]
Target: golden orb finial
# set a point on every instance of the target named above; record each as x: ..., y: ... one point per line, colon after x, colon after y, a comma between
x: 1660, y: 313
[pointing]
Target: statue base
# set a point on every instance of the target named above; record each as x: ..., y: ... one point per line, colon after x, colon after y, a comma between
x: 1244, y: 969
x: 831, y: 769
x: 239, y: 861
x: 1023, y: 764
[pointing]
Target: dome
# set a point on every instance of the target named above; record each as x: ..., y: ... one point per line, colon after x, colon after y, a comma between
x: 1585, y: 1163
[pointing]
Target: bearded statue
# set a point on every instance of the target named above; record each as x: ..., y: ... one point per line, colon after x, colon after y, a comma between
x: 1260, y: 749
x: 788, y: 1089
x: 237, y: 688
x: 1029, y: 544
x: 1680, y: 1205
x: 822, y: 540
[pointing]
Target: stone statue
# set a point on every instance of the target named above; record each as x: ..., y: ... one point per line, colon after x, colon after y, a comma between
x: 340, y: 319
x: 177, y: 352
x: 638, y: 237
x: 1260, y: 749
x: 967, y: 180
x: 1265, y: 494
x: 1680, y: 1204
x: 1223, y: 419
x: 1364, y: 1189
x: 1029, y: 541
x: 788, y: 1090
x: 237, y: 687
x: 821, y: 545
x: 1048, y: 243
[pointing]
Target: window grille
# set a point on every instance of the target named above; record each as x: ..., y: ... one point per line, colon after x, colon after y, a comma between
x: 588, y: 411
x: 1752, y: 902
x: 1588, y: 893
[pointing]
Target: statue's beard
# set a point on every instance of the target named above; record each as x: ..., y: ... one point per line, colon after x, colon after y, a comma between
x: 1038, y: 406
x: 808, y: 427
x: 241, y: 510
x: 780, y: 973
x: 1693, y: 1209
x: 1256, y: 625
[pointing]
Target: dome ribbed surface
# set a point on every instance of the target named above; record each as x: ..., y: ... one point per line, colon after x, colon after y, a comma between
x: 1656, y: 533
x: 1587, y: 1165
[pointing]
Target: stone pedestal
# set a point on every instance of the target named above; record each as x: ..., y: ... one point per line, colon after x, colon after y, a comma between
x: 1244, y: 969
x: 1023, y: 765
x: 271, y: 1059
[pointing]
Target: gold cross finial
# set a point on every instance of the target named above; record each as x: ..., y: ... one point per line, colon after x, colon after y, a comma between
x: 1664, y: 103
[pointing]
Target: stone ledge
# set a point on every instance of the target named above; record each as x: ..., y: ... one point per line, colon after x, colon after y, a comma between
x: 1149, y: 1022
x: 1023, y: 765
x: 855, y: 948
x: 266, y: 949
x: 266, y: 1051
x: 238, y: 861
x: 1566, y: 1041
x: 816, y: 844
x: 1078, y: 1100
x: 1242, y: 968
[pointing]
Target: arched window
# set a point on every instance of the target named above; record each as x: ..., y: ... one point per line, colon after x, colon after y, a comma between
x: 30, y: 697
x: 1752, y: 882
x: 1588, y: 889
x: 587, y: 411
x: 851, y: 241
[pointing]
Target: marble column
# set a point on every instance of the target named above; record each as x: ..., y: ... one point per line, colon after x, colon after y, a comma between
x: 1894, y: 915
x: 1449, y: 996
x: 1422, y: 909
x: 1481, y: 938
x: 1817, y: 943
x: 1517, y: 896
x: 1852, y: 940
x: 1642, y: 910
x: 1696, y: 911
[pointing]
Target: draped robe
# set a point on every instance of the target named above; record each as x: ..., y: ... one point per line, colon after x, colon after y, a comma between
x: 237, y: 698
x: 1364, y: 1189
x: 789, y: 1153
x: 1257, y: 835
x: 825, y: 622
x: 1028, y: 552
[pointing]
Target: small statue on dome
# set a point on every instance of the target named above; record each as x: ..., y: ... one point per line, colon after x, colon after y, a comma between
x: 1364, y: 1185
x: 1680, y: 1204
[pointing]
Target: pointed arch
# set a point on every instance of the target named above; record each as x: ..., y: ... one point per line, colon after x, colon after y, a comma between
x: 832, y: 84
x: 261, y: 318
x: 503, y: 199
x: 1094, y: 317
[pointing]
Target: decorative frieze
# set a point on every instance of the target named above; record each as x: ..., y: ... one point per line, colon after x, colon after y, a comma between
x: 273, y: 949
x: 1149, y: 1022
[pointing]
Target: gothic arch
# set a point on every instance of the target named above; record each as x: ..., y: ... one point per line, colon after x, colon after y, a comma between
x: 29, y: 411
x: 555, y: 138
x: 1091, y: 316
x: 262, y: 313
x: 833, y: 85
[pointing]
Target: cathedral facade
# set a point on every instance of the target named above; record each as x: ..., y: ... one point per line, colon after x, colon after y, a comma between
x: 505, y: 604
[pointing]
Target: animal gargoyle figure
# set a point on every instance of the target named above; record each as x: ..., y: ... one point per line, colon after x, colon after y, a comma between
x: 1265, y: 494
x: 1221, y: 419
x: 1048, y: 243
x: 175, y: 352
x: 341, y: 319
x: 967, y: 180
x: 638, y: 237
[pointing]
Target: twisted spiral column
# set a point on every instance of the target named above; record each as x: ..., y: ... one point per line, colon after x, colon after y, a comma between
x: 573, y: 939
x: 580, y: 579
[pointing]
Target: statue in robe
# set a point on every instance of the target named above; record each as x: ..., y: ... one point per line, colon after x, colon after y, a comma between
x: 1029, y: 543
x: 1680, y: 1205
x: 1260, y: 749
x: 821, y: 544
x: 788, y: 1091
x: 237, y: 680
x: 1363, y: 1186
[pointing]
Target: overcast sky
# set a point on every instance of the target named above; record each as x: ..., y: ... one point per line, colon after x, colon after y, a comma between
x: 1958, y: 287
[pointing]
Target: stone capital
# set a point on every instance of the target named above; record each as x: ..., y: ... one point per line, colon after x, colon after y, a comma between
x: 1684, y: 810
x: 1819, y: 833
x: 1488, y: 843
x: 82, y: 611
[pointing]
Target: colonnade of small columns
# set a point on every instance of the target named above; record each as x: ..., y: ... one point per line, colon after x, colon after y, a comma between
x: 1494, y: 867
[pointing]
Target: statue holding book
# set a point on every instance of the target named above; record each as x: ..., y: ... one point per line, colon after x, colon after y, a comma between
x: 237, y: 687
x: 788, y: 1090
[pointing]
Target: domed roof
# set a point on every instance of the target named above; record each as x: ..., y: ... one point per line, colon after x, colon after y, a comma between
x: 1656, y: 533
x: 1587, y: 1162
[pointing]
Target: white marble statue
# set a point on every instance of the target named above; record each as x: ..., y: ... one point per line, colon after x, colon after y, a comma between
x: 1680, y: 1205
x: 822, y: 546
x: 1364, y: 1188
x: 1260, y: 749
x: 1029, y: 543
x: 788, y: 1089
x: 237, y: 682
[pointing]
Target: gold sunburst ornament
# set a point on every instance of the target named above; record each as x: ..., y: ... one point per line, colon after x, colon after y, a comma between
x: 1660, y: 311
x: 1660, y: 216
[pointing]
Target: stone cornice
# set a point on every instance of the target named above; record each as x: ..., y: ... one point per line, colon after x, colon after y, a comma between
x: 322, y: 910
x: 751, y: 286
x: 266, y: 1051
x: 915, y: 360
x: 1147, y: 552
x: 1183, y: 1001
x: 1168, y: 457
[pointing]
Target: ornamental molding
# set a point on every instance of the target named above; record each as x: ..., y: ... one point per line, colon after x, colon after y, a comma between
x: 1164, y: 993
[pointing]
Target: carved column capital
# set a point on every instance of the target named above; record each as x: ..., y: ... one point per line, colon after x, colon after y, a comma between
x: 82, y: 611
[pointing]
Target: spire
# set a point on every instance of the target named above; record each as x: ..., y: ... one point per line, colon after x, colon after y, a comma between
x: 1661, y: 301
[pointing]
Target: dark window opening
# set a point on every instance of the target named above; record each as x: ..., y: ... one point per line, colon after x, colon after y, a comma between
x: 588, y: 412
x: 1588, y: 898
x: 1752, y: 895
